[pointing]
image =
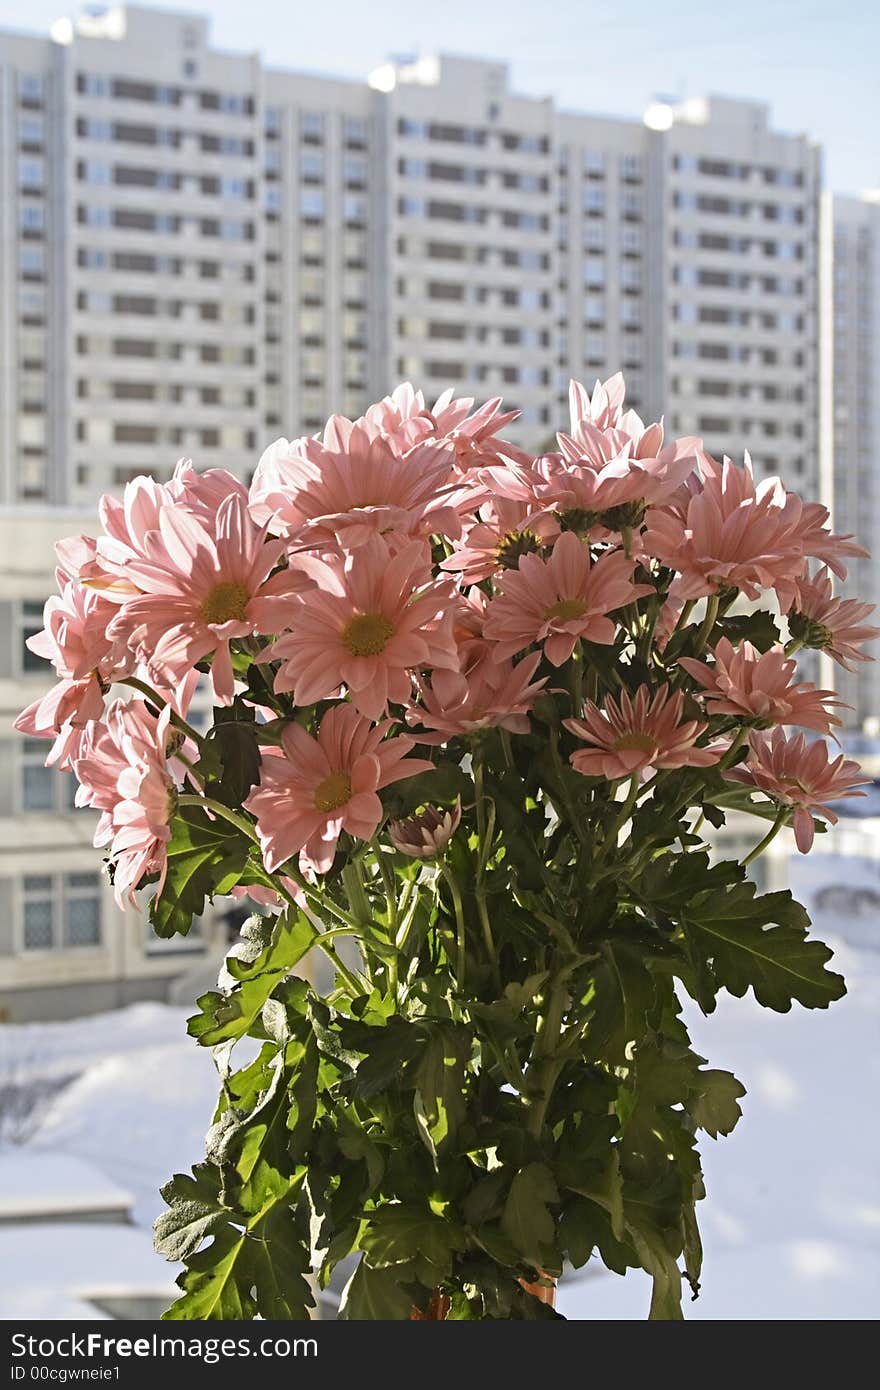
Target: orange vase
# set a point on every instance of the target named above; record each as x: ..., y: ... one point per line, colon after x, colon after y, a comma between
x: 438, y: 1303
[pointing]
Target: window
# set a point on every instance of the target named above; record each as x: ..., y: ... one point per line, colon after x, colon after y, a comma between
x: 31, y: 172
x: 354, y: 169
x: 30, y: 622
x: 630, y: 167
x: 31, y: 217
x: 594, y: 198
x: 311, y: 165
x: 61, y: 911
x: 43, y: 788
x: 234, y: 188
x: 312, y: 202
x: 312, y: 125
x: 30, y: 87
x: 594, y: 163
x: 30, y: 130
x: 630, y: 203
x: 92, y: 84
x: 354, y: 130
x: 354, y: 207
x: 38, y: 913
x: 91, y: 258
x: 37, y: 780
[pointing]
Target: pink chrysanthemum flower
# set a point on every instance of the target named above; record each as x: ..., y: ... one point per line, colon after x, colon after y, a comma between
x: 796, y: 773
x: 198, y: 583
x: 829, y: 624
x: 405, y: 421
x: 611, y: 466
x: 723, y: 531
x: 129, y: 520
x: 755, y: 685
x: 315, y: 495
x: 638, y: 734
x: 560, y: 600
x: 427, y: 833
x: 494, y: 694
x: 75, y: 640
x: 504, y: 531
x: 314, y: 788
x: 372, y: 619
x: 124, y: 774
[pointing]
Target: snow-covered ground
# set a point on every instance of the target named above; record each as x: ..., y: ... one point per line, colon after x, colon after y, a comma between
x: 792, y: 1220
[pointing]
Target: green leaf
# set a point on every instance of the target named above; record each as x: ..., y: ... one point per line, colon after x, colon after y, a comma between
x: 621, y: 1001
x: 527, y: 1220
x: 234, y: 754
x: 606, y: 1188
x: 761, y: 942
x: 378, y: 1294
x: 661, y: 1263
x: 439, y: 1103
x: 205, y: 858
x: 268, y: 951
x: 194, y: 1212
x: 255, y: 1264
x: 757, y: 628
x: 400, y: 1232
x: 716, y: 1106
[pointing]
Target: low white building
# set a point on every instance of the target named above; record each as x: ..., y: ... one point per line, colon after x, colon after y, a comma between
x: 59, y: 923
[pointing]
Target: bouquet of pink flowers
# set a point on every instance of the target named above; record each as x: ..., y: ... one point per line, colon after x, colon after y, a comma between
x: 473, y: 710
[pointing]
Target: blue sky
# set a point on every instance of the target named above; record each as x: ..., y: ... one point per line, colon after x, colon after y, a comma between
x: 814, y: 62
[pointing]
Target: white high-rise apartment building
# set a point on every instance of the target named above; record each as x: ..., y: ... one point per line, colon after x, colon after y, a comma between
x: 854, y: 333
x: 199, y: 253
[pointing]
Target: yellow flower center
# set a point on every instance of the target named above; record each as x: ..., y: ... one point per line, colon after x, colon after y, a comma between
x: 513, y: 546
x: 333, y: 792
x: 565, y: 610
x: 635, y: 743
x: 367, y: 634
x: 226, y: 603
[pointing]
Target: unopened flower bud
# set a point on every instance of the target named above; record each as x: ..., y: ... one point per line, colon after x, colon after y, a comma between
x: 426, y: 834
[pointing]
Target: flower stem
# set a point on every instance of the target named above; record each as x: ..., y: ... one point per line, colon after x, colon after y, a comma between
x: 736, y: 745
x: 621, y: 818
x: 355, y: 985
x: 460, y: 936
x: 224, y: 812
x: 483, y: 851
x: 156, y: 699
x: 708, y: 623
x: 768, y: 838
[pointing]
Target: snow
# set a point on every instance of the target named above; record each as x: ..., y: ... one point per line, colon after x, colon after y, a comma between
x: 55, y: 1184
x: 791, y: 1225
x: 791, y: 1221
x: 142, y: 1116
x: 81, y: 1263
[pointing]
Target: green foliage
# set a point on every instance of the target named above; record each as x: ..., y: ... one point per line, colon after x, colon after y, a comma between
x: 206, y: 858
x: 268, y: 951
x: 502, y: 1085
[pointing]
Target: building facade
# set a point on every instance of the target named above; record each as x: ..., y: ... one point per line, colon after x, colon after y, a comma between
x: 59, y: 923
x: 854, y: 347
x: 203, y: 253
